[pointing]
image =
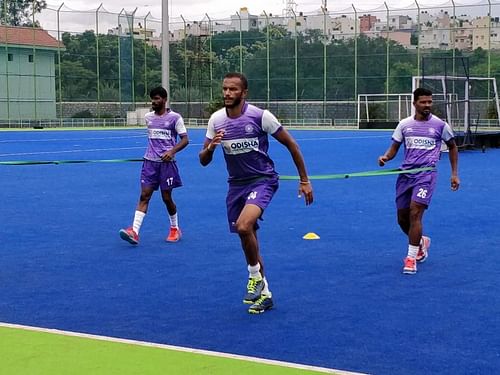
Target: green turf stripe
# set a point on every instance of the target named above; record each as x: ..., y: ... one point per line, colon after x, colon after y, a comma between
x: 30, y: 352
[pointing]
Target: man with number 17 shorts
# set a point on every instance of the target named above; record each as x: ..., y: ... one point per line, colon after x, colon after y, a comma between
x: 159, y: 169
x: 422, y: 136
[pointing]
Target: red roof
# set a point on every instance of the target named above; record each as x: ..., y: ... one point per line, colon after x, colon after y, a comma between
x: 27, y: 36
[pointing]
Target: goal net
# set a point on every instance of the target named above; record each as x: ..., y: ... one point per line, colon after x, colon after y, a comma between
x: 464, y: 102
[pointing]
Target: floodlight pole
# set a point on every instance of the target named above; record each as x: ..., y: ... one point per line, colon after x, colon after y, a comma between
x: 165, y: 45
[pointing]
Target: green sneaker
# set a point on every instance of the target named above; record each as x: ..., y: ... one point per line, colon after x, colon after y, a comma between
x: 254, y: 290
x: 265, y: 302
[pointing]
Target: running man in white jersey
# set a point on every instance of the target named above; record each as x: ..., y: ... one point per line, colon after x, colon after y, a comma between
x: 242, y: 130
x: 422, y: 136
x: 159, y: 169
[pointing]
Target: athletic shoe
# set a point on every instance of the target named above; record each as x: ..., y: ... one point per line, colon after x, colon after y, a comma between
x: 410, y: 266
x: 129, y: 235
x: 265, y: 302
x: 174, y: 235
x: 254, y: 290
x: 423, y: 251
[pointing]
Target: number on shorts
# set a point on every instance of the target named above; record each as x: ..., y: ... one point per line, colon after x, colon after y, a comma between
x: 422, y: 193
x: 170, y: 181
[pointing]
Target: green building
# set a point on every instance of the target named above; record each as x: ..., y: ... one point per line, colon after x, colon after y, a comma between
x: 27, y: 74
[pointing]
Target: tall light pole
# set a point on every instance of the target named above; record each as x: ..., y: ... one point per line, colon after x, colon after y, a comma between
x: 165, y: 53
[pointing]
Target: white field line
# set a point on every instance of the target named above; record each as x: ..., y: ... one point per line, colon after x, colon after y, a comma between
x: 191, y: 144
x: 72, y: 139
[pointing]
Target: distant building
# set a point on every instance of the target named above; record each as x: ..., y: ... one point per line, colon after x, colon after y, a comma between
x: 464, y: 36
x: 191, y: 29
x: 437, y: 35
x: 147, y: 35
x: 271, y: 20
x: 343, y: 27
x: 245, y: 21
x: 297, y: 24
x: 486, y: 33
x: 366, y: 23
x: 397, y: 22
x: 139, y: 33
x: 27, y: 78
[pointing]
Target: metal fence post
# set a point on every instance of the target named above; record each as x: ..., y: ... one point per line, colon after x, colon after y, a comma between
x: 268, y: 87
x: 325, y: 41
x: 97, y: 61
x: 355, y: 52
x: 296, y: 64
x: 419, y: 28
x: 146, y: 56
x: 59, y: 64
x: 241, y: 43
x: 7, y: 61
x: 185, y: 62
x: 210, y: 61
x: 34, y: 62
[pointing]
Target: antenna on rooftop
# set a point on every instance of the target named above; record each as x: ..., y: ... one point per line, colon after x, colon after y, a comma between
x: 290, y: 8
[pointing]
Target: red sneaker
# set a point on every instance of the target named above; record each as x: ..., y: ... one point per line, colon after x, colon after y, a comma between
x: 174, y: 235
x: 129, y: 235
x: 410, y: 266
x: 423, y: 251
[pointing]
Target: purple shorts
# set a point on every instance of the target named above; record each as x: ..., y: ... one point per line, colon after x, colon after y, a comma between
x: 156, y: 174
x: 415, y: 187
x: 259, y: 193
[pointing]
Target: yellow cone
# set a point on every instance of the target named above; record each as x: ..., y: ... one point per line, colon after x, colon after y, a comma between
x: 310, y: 236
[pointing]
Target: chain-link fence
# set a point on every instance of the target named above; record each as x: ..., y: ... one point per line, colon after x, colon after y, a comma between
x: 101, y: 64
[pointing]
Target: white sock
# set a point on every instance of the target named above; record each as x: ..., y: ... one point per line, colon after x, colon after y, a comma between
x: 174, y: 221
x: 266, y: 290
x: 254, y: 271
x: 412, y: 251
x: 138, y: 217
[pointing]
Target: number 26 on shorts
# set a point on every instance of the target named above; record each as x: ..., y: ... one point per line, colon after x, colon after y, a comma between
x: 422, y: 193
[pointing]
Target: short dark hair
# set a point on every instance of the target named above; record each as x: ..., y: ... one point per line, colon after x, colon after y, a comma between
x: 243, y: 79
x: 158, y: 91
x: 421, y: 92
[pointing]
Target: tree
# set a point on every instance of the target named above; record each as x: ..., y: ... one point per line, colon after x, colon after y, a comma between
x: 20, y: 12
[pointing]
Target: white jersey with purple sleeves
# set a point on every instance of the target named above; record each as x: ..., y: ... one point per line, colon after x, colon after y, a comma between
x: 245, y: 141
x: 422, y: 140
x: 162, y: 133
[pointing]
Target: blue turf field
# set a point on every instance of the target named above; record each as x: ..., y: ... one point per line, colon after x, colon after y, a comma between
x: 341, y: 301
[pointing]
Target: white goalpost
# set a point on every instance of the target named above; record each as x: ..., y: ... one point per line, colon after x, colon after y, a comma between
x: 458, y: 106
x: 388, y: 108
x: 456, y: 100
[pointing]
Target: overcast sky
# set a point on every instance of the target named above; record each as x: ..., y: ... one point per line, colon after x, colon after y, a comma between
x: 196, y: 9
x: 79, y: 15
